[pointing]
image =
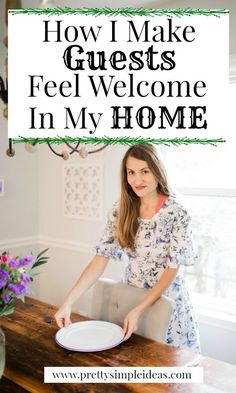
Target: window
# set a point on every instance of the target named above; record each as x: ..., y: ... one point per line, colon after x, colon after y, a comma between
x: 205, y: 177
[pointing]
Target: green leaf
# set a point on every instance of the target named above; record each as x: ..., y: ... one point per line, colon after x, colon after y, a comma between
x: 40, y: 260
x: 7, y: 311
x: 42, y: 252
x: 38, y: 263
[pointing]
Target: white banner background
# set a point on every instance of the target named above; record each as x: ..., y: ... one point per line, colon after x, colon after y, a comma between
x: 204, y: 59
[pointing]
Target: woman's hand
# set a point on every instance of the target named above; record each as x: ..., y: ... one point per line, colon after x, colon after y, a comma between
x: 131, y: 322
x: 62, y: 316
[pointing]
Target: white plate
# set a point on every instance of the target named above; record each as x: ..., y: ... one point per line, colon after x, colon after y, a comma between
x: 90, y: 336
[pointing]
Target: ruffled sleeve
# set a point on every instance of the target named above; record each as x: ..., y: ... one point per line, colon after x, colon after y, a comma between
x: 108, y: 246
x: 181, y: 251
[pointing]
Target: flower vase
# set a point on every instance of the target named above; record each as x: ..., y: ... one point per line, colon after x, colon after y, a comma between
x: 2, y: 352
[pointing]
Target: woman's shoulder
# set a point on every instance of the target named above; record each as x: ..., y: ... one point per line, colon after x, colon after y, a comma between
x: 175, y: 207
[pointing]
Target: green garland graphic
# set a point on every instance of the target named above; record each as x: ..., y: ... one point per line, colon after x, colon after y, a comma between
x: 127, y: 12
x: 123, y: 141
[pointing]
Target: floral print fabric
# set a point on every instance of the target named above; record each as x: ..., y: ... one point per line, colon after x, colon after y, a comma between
x: 163, y: 241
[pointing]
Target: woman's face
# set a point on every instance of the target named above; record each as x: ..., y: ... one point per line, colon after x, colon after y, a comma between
x: 140, y: 177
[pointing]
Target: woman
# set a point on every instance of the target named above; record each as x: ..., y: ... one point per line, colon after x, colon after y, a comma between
x: 151, y: 232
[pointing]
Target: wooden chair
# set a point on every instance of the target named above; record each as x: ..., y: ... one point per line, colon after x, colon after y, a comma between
x: 112, y: 300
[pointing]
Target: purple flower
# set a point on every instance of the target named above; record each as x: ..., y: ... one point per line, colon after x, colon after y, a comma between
x: 4, y: 275
x: 12, y: 263
x: 25, y: 277
x: 18, y: 289
x: 6, y: 298
x: 13, y: 288
x: 25, y: 261
x: 22, y: 288
x: 2, y: 284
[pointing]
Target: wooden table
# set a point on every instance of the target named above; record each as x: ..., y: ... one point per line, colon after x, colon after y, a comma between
x: 30, y: 336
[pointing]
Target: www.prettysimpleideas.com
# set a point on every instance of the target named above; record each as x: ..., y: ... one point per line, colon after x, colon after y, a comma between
x: 107, y: 85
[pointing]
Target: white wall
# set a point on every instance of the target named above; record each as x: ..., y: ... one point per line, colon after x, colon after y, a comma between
x: 71, y: 241
x: 19, y: 206
x: 31, y: 212
x: 51, y: 220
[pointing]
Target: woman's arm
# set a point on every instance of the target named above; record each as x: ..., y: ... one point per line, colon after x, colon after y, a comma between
x: 131, y: 319
x: 88, y: 277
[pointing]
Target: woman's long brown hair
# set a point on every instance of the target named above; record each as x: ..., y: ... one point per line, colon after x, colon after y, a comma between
x: 129, y: 206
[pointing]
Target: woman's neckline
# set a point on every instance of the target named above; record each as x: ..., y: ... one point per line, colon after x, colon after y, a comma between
x: 160, y: 204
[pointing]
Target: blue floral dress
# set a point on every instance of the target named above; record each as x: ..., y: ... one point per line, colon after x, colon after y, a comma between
x: 164, y: 241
